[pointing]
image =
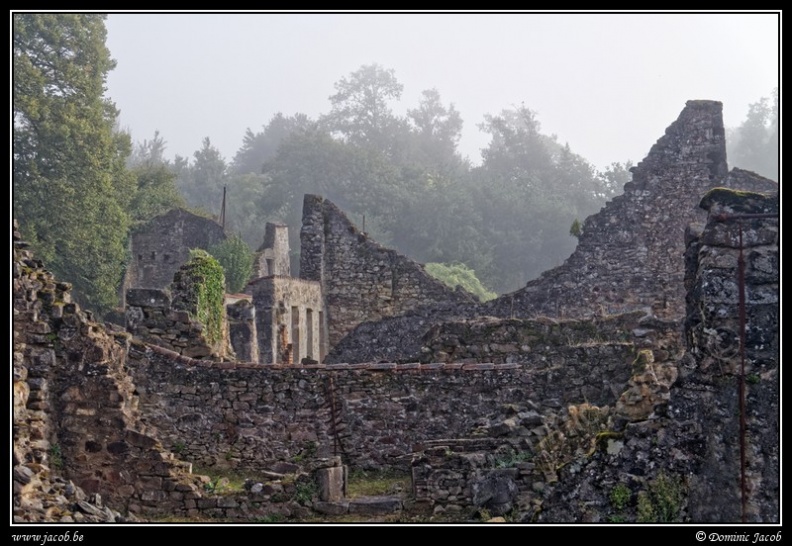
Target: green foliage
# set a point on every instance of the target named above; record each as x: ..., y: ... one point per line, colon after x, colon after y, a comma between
x: 576, y: 229
x: 210, y: 290
x: 620, y: 496
x: 201, y: 183
x: 155, y: 189
x: 258, y: 148
x: 306, y: 453
x: 156, y: 193
x: 365, y: 483
x: 69, y: 181
x: 458, y: 274
x: 305, y: 492
x: 361, y: 110
x: 506, y: 219
x: 237, y: 260
x: 511, y: 458
x: 662, y: 501
x: 56, y: 456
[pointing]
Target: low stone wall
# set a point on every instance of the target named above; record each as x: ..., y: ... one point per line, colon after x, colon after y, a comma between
x: 242, y: 415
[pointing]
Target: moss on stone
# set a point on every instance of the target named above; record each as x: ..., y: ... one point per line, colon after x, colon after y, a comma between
x: 739, y: 200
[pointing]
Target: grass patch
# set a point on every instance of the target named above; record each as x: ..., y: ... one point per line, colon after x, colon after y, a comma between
x: 366, y: 483
x: 223, y: 482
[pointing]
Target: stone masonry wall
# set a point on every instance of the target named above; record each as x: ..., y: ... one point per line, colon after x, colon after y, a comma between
x: 290, y: 320
x: 710, y: 392
x: 630, y: 254
x: 272, y: 257
x: 245, y: 415
x: 682, y: 462
x: 79, y: 445
x: 160, y: 247
x: 361, y: 280
x: 629, y: 257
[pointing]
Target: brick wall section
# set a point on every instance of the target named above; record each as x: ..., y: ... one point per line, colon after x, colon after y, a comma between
x: 630, y: 254
x: 361, y: 280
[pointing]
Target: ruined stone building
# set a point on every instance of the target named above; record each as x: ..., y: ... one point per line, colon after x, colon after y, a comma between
x: 160, y: 247
x: 647, y: 365
x: 629, y: 256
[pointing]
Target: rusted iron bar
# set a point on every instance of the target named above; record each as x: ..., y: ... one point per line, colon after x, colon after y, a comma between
x: 743, y: 427
x: 726, y: 217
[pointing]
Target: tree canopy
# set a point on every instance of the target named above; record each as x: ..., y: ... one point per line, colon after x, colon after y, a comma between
x: 754, y: 145
x: 69, y: 178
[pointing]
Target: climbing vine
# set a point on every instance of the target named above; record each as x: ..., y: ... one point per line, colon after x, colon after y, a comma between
x: 210, y: 290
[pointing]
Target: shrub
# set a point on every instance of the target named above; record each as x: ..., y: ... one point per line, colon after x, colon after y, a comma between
x: 236, y: 259
x: 210, y: 290
x: 458, y: 274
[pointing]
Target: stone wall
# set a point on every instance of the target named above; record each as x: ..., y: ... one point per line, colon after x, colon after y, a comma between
x: 290, y: 320
x: 243, y: 415
x: 682, y: 462
x: 168, y: 318
x: 160, y: 247
x: 360, y: 279
x: 714, y: 377
x: 79, y: 446
x: 630, y: 254
x: 272, y: 257
x: 242, y: 331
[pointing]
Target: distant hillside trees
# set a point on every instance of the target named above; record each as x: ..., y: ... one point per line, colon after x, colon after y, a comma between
x: 754, y: 144
x: 508, y: 219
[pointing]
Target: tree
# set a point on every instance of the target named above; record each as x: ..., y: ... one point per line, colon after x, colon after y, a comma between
x: 360, y: 107
x: 436, y: 130
x: 754, y: 145
x: 201, y: 183
x: 149, y: 152
x: 258, y: 148
x: 237, y: 261
x: 69, y: 177
x: 154, y: 191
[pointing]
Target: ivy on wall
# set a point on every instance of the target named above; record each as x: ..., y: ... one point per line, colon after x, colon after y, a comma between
x: 210, y: 290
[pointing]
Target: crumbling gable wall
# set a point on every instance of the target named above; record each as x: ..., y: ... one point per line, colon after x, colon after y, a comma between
x: 683, y: 463
x: 272, y: 257
x: 630, y: 253
x: 361, y: 280
x: 161, y: 246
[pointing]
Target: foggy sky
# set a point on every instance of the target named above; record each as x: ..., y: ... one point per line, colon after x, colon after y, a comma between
x: 608, y: 84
